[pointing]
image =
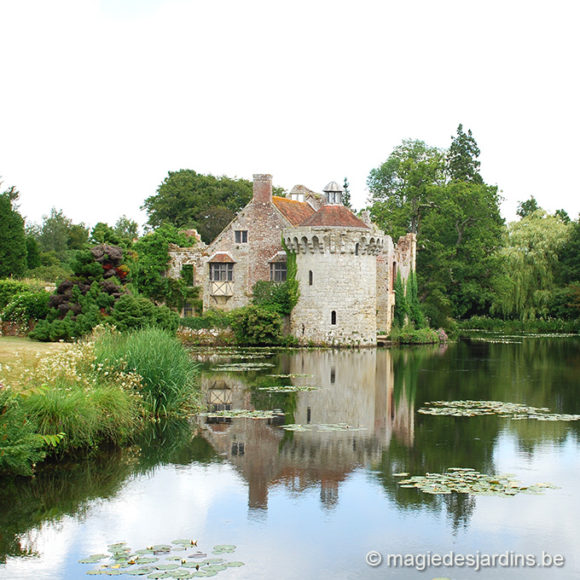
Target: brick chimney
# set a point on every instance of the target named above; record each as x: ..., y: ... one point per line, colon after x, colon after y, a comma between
x: 262, y: 187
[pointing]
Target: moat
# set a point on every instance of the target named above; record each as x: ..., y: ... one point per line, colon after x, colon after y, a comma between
x: 312, y: 502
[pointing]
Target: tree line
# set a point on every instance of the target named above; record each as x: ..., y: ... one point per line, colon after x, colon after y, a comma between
x: 469, y: 261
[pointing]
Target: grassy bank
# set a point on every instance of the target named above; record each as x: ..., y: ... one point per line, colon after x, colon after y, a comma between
x: 536, y: 326
x: 80, y: 396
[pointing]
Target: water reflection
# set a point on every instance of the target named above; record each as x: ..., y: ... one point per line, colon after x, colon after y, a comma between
x: 353, y: 387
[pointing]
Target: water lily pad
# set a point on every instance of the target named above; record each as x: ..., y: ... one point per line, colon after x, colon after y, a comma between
x: 467, y: 480
x: 223, y: 549
x: 141, y: 571
x: 168, y: 566
x: 234, y: 564
x: 515, y: 411
x: 196, y: 555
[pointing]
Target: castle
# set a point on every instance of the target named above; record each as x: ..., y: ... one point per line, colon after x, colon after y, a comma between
x: 345, y: 266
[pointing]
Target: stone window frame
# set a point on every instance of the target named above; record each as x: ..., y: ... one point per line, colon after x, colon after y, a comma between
x: 278, y: 271
x: 241, y: 236
x: 221, y: 272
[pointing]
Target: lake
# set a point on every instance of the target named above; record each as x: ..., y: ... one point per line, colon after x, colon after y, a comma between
x: 313, y: 502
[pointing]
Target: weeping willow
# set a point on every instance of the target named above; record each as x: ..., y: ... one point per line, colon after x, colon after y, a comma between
x: 526, y: 280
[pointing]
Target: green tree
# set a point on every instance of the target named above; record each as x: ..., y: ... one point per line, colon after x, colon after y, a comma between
x: 401, y: 188
x: 127, y: 229
x: 525, y: 287
x: 78, y: 236
x: 346, y: 193
x: 12, y: 236
x: 184, y: 198
x: 528, y: 207
x: 54, y: 233
x: 103, y: 233
x: 569, y: 256
x: 461, y: 159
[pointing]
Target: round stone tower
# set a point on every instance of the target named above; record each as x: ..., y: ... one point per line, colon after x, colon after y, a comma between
x: 336, y: 263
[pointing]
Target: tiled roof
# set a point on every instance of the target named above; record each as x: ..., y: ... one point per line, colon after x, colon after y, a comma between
x: 221, y: 257
x: 294, y: 211
x: 334, y: 215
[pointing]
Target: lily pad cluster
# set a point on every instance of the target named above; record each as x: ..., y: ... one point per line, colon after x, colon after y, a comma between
x: 322, y: 427
x: 243, y: 367
x: 290, y: 376
x: 181, y: 559
x: 288, y: 389
x: 244, y: 414
x: 470, y: 481
x: 510, y: 410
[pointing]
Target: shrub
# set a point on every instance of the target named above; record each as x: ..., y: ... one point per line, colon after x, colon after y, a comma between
x: 133, y: 312
x: 256, y: 326
x: 411, y: 335
x: 25, y: 307
x: 168, y: 373
x: 9, y: 289
x: 275, y: 296
x: 210, y: 319
x: 20, y: 445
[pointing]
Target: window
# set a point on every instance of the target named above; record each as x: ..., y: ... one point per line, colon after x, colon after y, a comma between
x: 188, y: 309
x: 220, y: 272
x: 333, y: 317
x: 310, y: 277
x: 278, y: 272
x: 241, y: 236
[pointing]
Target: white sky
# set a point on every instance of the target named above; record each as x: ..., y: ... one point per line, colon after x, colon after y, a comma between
x: 99, y: 99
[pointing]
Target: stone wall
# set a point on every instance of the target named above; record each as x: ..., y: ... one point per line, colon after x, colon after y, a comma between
x: 336, y: 272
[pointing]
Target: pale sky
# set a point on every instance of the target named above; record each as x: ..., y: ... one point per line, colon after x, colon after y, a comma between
x: 99, y: 99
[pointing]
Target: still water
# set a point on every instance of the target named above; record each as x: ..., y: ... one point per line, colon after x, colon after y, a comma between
x: 312, y: 504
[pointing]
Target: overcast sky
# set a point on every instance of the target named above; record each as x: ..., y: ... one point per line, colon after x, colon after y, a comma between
x: 99, y: 99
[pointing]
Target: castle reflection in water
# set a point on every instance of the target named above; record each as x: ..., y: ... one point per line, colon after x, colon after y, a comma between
x: 354, y: 387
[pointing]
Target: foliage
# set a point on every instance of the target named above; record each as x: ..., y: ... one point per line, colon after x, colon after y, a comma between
x: 274, y: 296
x: 528, y: 207
x: 149, y: 264
x: 133, y: 312
x: 537, y: 326
x: 346, y: 193
x: 415, y: 312
x: 54, y: 273
x: 401, y: 305
x: 9, y: 289
x: 12, y: 238
x: 189, y: 199
x: 527, y: 279
x: 458, y: 243
x: 461, y: 159
x: 53, y: 234
x: 87, y: 417
x: 408, y: 334
x: 568, y: 269
x: 256, y: 326
x: 20, y: 445
x: 168, y: 374
x: 401, y: 187
x: 32, y: 253
x: 84, y: 301
x: 209, y: 319
x: 26, y: 307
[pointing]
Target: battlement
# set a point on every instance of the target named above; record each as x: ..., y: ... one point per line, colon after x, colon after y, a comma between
x: 320, y: 240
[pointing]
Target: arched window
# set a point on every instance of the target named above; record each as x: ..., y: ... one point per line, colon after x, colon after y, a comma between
x: 356, y: 249
x: 310, y: 277
x: 333, y: 317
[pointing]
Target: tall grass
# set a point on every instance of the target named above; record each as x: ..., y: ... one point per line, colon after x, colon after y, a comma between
x: 87, y: 417
x: 168, y: 373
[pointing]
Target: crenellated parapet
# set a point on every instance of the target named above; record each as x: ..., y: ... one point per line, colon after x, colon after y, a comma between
x: 309, y: 240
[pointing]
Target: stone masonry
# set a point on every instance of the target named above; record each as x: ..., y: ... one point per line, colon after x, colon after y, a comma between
x: 346, y: 266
